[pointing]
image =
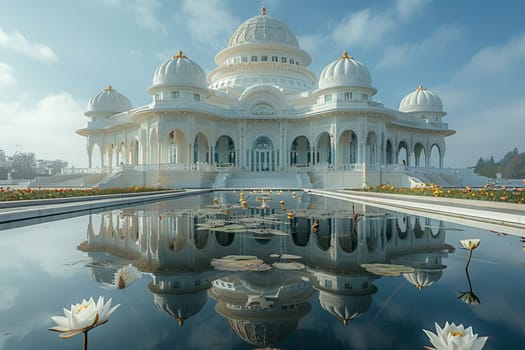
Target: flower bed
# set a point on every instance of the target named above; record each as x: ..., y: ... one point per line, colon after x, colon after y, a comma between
x: 489, y: 192
x: 14, y: 194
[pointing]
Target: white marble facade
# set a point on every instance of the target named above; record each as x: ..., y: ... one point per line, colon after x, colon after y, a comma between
x: 263, y: 110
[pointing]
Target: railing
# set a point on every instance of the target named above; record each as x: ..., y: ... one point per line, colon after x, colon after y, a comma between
x: 224, y: 167
x: 71, y: 171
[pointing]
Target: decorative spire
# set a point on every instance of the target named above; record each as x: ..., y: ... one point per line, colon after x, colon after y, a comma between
x: 263, y: 10
x: 109, y: 88
x: 345, y: 320
x: 179, y: 55
x: 345, y: 56
x: 420, y: 88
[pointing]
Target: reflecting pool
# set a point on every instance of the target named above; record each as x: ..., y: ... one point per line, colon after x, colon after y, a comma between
x: 246, y: 270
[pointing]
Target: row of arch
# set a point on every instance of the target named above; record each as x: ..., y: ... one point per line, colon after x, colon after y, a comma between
x: 376, y: 233
x: 263, y: 154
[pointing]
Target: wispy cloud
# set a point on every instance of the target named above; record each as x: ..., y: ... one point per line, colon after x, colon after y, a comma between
x: 369, y: 27
x: 6, y: 75
x: 495, y: 60
x: 145, y: 14
x: 143, y: 11
x: 485, y: 101
x: 207, y: 22
x: 16, y: 41
x: 444, y: 36
x: 59, y: 114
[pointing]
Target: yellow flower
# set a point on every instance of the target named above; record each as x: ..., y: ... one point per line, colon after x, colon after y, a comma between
x: 470, y: 244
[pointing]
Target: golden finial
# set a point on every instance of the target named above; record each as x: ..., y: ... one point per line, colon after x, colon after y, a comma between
x: 345, y: 320
x: 109, y: 88
x: 179, y: 55
x: 345, y: 56
x: 420, y: 287
x: 263, y: 10
x: 420, y: 88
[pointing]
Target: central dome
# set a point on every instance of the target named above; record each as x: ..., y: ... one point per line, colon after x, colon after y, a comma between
x: 263, y: 29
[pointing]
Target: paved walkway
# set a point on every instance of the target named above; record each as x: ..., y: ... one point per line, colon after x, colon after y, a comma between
x: 30, y: 209
x: 495, y: 216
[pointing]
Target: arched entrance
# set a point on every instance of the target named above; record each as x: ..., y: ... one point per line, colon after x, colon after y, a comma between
x: 402, y: 153
x: 176, y: 150
x: 435, y: 156
x: 300, y: 151
x: 389, y: 153
x: 371, y: 148
x: 134, y: 152
x: 349, y: 147
x: 200, y: 149
x: 324, y: 149
x: 263, y: 155
x: 419, y: 155
x: 225, y: 150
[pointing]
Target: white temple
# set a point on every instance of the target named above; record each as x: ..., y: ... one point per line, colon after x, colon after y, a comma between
x: 262, y: 118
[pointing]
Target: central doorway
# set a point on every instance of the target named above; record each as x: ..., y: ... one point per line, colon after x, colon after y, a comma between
x: 263, y: 155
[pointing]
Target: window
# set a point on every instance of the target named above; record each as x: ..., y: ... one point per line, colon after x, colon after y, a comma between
x: 365, y: 97
x: 292, y: 61
x: 327, y: 98
x: 254, y: 58
x: 175, y: 94
x: 244, y: 59
x: 348, y: 95
x: 196, y: 97
x: 283, y: 59
x: 275, y: 59
x: 264, y: 58
x: 157, y: 96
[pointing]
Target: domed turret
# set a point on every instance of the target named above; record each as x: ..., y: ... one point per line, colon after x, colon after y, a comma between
x: 108, y: 101
x: 421, y: 100
x: 346, y: 71
x: 422, y: 278
x: 179, y: 71
x: 263, y: 29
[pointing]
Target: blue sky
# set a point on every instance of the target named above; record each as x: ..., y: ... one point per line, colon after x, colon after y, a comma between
x: 56, y: 54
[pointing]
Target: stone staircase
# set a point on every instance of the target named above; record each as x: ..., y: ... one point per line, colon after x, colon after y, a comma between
x: 285, y: 179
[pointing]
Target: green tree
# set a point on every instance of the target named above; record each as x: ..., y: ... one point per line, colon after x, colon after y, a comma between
x: 22, y: 165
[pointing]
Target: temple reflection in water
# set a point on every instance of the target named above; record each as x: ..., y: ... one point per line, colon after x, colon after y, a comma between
x: 175, y: 242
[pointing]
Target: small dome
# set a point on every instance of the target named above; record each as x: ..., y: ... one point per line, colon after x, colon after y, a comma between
x: 109, y: 101
x: 180, y: 71
x: 421, y: 100
x: 263, y: 29
x: 345, y: 71
x: 422, y: 278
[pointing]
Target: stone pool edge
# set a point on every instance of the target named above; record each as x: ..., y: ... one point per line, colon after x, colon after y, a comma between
x: 494, y: 216
x: 48, y: 207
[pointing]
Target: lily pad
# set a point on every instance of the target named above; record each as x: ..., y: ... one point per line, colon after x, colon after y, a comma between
x: 289, y: 266
x: 387, y: 269
x: 240, y: 263
x: 230, y: 228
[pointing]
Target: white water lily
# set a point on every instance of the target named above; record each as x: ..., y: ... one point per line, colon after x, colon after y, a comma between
x: 455, y: 338
x: 470, y: 244
x: 83, y: 317
x: 125, y: 276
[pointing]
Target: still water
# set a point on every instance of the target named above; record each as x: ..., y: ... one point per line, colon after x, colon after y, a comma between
x: 301, y: 272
